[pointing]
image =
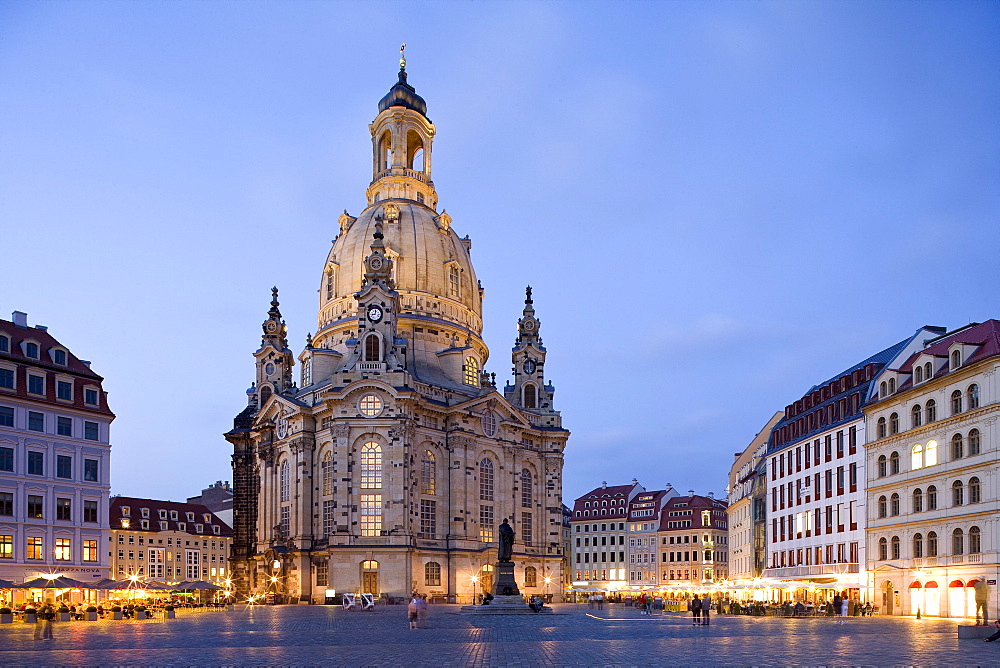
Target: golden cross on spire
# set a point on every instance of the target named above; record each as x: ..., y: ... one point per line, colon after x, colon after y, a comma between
x: 402, y: 57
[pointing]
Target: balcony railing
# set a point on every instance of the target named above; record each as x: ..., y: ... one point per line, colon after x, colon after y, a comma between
x: 375, y: 367
x: 419, y: 176
x: 814, y: 570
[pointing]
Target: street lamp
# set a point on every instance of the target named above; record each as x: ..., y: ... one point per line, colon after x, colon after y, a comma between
x: 475, y: 583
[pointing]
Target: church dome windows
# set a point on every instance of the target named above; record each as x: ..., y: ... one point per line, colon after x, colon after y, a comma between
x: 283, y: 481
x: 371, y: 405
x: 470, y: 371
x: 428, y: 473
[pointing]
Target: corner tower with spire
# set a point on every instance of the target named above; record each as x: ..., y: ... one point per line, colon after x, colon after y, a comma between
x: 529, y: 390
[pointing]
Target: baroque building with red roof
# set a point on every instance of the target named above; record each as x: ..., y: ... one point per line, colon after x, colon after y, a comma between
x: 55, y: 458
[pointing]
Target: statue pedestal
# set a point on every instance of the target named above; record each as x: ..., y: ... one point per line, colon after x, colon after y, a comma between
x: 507, y: 599
x: 504, y: 584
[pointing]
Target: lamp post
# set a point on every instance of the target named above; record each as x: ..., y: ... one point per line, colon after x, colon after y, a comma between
x: 547, y: 580
x: 475, y: 583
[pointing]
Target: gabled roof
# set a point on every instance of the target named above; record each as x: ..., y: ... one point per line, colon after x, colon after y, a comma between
x: 46, y: 342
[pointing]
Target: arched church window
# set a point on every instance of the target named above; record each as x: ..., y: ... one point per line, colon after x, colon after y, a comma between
x: 471, y: 370
x: 327, y: 471
x: 530, y: 576
x: 371, y: 465
x: 454, y: 282
x: 530, y: 396
x: 486, y: 479
x: 265, y: 394
x: 283, y: 481
x: 373, y: 348
x: 526, y: 488
x: 331, y: 283
x: 428, y: 473
x: 432, y: 574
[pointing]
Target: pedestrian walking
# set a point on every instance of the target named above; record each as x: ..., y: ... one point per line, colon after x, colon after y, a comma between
x: 412, y: 613
x: 706, y: 607
x: 694, y: 605
x: 600, y: 601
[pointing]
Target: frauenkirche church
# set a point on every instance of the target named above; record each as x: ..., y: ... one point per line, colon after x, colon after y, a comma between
x: 389, y: 464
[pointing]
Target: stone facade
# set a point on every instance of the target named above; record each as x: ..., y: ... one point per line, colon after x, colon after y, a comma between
x: 387, y: 467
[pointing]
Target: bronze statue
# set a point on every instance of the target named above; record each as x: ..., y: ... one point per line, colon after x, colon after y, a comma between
x: 506, y: 549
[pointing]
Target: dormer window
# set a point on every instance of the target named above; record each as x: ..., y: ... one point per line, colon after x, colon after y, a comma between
x: 59, y: 356
x: 126, y: 511
x: 207, y: 518
x: 215, y: 529
x: 145, y: 512
x: 199, y: 528
x: 163, y: 514
x: 31, y: 350
x: 125, y: 523
x: 190, y: 516
x: 164, y: 526
x: 918, y: 375
x: 181, y: 526
x: 892, y: 386
x: 4, y: 344
x: 928, y: 371
x: 173, y: 515
x: 956, y: 359
x: 144, y: 524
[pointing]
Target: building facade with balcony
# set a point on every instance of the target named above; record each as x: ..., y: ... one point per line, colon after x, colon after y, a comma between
x: 599, y: 559
x: 388, y: 464
x: 933, y: 454
x: 693, y: 541
x: 744, y: 478
x: 168, y: 541
x: 643, y: 525
x: 816, y: 479
x: 55, y: 458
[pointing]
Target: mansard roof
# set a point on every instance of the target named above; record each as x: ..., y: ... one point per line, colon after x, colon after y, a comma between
x: 135, y: 506
x: 986, y: 336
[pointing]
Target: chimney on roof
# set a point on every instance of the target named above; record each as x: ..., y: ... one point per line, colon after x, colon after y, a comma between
x: 86, y: 363
x: 669, y: 487
x: 634, y: 481
x: 20, y: 318
x: 690, y: 492
x: 604, y: 485
x: 711, y: 495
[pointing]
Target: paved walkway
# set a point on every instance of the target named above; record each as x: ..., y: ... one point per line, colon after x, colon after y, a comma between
x: 314, y: 635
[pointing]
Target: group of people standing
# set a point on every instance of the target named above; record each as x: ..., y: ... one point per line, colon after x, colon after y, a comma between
x: 701, y: 608
x: 595, y: 600
x: 416, y: 611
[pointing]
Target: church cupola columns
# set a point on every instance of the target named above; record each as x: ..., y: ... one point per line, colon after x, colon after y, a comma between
x: 274, y: 358
x: 401, y: 143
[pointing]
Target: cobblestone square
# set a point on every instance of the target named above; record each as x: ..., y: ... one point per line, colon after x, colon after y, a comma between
x: 321, y: 635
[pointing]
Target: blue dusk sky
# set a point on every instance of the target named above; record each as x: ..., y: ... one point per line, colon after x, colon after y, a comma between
x: 718, y: 204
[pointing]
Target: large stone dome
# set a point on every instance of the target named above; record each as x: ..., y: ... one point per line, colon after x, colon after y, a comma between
x: 432, y: 270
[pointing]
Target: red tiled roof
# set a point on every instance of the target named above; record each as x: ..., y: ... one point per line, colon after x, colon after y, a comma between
x: 81, y: 373
x: 135, y: 506
x: 986, y: 335
x: 696, y: 502
x: 603, y: 493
